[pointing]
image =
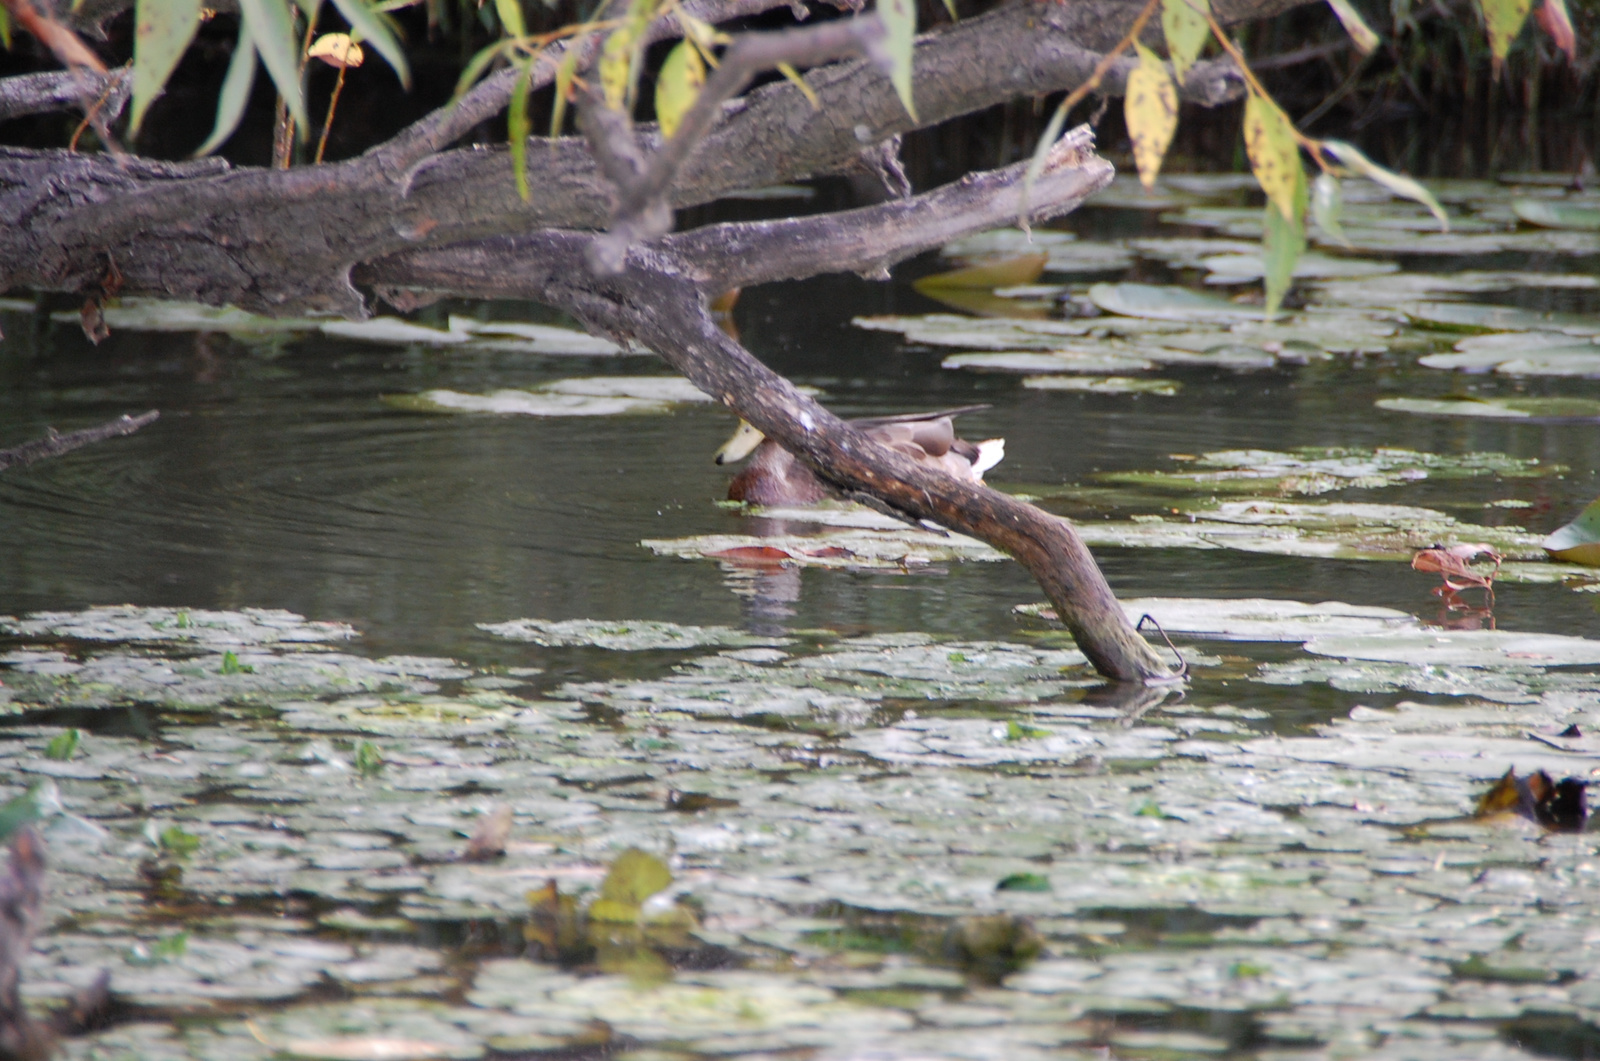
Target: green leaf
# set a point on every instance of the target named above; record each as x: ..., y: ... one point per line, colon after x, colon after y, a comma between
x: 510, y: 12
x: 1017, y: 731
x: 1283, y: 240
x: 1327, y: 206
x: 1503, y: 20
x: 366, y: 25
x: 1024, y: 882
x: 678, y: 86
x: 271, y: 26
x: 900, y: 21
x: 476, y: 67
x: 1274, y: 155
x: 1350, y: 158
x: 5, y: 29
x: 616, y: 61
x: 162, y: 30
x: 1579, y: 541
x: 520, y: 128
x: 231, y: 665
x: 368, y: 759
x: 19, y: 811
x: 1183, y: 22
x: 235, y: 92
x: 63, y: 746
x: 174, y: 841
x: 565, y: 72
x: 1366, y: 41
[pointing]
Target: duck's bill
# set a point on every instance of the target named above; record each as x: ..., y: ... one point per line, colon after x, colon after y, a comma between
x: 741, y: 445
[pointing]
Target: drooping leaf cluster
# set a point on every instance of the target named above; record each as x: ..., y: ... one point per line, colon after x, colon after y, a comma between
x: 1272, y: 142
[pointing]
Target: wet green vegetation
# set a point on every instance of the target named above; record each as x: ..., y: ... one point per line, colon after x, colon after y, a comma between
x: 870, y: 798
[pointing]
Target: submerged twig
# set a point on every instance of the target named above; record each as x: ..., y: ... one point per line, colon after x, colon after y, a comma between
x: 54, y: 444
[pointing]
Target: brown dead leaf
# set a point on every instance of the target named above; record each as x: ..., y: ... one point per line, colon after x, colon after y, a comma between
x: 1450, y: 563
x: 489, y: 841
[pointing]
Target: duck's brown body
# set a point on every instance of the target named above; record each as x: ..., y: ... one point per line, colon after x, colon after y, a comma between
x: 774, y: 477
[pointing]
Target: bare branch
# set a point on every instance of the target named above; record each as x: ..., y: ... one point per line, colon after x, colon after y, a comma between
x: 659, y: 301
x: 642, y: 210
x: 872, y: 238
x: 57, y: 90
x: 53, y: 444
x: 490, y: 96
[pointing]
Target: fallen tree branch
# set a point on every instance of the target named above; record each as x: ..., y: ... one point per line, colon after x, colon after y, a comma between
x: 659, y: 300
x: 871, y: 239
x: 55, y: 444
x: 284, y: 241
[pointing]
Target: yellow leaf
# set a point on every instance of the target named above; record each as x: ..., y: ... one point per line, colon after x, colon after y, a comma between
x: 613, y: 910
x: 1503, y: 19
x: 616, y: 62
x: 678, y: 86
x: 510, y: 12
x: 1151, y: 112
x: 1366, y: 41
x: 337, y: 50
x: 799, y: 82
x: 1274, y: 157
x: 634, y: 876
x: 986, y: 276
x: 1183, y: 23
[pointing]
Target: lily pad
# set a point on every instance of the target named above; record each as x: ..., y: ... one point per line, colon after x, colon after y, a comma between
x: 1243, y: 268
x: 1061, y: 361
x: 593, y: 396
x: 1064, y: 252
x: 1102, y: 384
x: 251, y: 626
x: 1540, y: 410
x: 1167, y: 303
x: 1579, y: 541
x: 158, y: 315
x: 525, y: 336
x: 947, y: 329
x: 842, y: 548
x: 1479, y: 317
x: 633, y: 635
x: 1318, y: 470
x: 1462, y: 648
x: 1255, y: 619
x: 1549, y: 214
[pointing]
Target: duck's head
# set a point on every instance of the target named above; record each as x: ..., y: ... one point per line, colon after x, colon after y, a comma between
x: 741, y: 445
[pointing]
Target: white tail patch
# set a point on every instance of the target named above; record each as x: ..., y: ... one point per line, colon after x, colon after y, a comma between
x: 991, y: 451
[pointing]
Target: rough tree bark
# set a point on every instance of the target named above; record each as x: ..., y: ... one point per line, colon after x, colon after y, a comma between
x: 413, y: 216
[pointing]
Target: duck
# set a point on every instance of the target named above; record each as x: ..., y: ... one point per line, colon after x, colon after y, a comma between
x: 774, y: 477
